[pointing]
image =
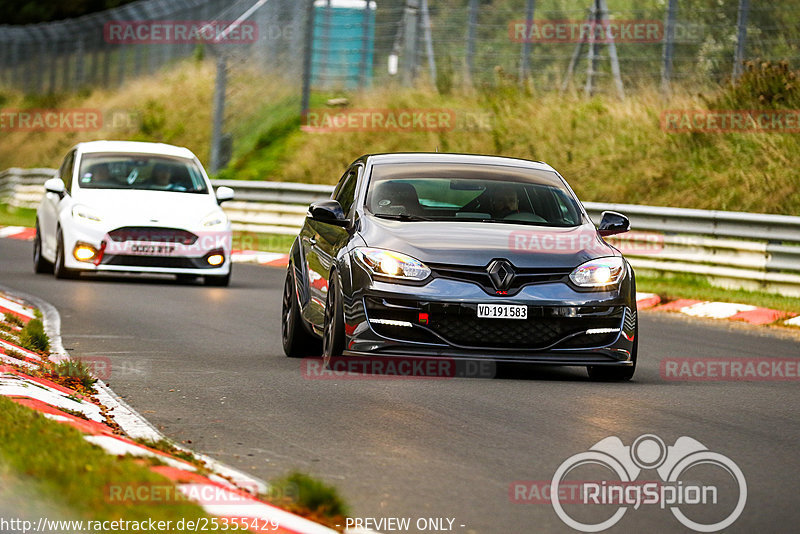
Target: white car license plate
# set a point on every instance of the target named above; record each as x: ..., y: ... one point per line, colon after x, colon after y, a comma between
x: 502, y: 311
x: 151, y: 250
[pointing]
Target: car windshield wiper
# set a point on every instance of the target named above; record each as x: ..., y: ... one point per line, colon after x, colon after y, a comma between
x: 402, y: 217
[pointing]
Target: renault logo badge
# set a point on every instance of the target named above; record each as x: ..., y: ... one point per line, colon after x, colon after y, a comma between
x: 502, y: 274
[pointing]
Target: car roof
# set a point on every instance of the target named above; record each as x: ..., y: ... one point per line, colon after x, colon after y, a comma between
x: 440, y: 157
x: 135, y: 147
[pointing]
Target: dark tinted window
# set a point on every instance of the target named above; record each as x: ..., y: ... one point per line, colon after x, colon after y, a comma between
x: 346, y: 190
x: 491, y: 193
x: 67, y: 170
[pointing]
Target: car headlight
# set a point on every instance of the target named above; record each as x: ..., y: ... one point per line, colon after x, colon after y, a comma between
x: 392, y: 264
x: 84, y: 213
x: 600, y: 272
x: 217, y: 218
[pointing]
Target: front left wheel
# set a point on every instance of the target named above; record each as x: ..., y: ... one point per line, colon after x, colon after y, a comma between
x: 333, y: 328
x: 605, y: 373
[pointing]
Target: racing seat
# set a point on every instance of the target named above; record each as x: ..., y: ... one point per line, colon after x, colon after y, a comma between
x: 396, y: 198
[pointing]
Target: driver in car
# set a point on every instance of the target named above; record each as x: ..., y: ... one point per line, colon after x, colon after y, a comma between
x: 503, y: 202
x: 162, y: 178
x: 98, y: 174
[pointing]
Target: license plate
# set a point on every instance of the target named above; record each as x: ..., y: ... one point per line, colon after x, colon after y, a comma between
x: 502, y: 311
x: 152, y: 250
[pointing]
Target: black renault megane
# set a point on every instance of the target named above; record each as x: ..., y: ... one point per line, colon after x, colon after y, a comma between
x: 460, y: 256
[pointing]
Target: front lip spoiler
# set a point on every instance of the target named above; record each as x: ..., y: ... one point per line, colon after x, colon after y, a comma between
x: 581, y: 359
x: 449, y: 344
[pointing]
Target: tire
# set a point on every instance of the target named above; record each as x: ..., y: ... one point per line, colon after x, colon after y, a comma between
x: 333, y: 329
x: 59, y: 269
x: 297, y: 341
x: 40, y: 264
x: 608, y: 373
x: 218, y: 281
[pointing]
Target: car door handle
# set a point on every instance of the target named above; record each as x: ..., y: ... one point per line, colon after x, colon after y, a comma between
x: 312, y: 241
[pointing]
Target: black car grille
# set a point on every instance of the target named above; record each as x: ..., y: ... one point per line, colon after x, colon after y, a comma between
x: 152, y: 234
x: 458, y: 325
x: 480, y: 276
x: 165, y: 262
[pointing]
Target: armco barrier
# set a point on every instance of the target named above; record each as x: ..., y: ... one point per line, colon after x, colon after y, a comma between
x: 750, y: 250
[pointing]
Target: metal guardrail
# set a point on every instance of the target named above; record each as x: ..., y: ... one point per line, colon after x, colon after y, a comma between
x: 750, y: 250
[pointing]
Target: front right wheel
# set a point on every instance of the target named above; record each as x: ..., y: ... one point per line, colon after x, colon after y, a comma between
x: 40, y: 264
x: 60, y: 269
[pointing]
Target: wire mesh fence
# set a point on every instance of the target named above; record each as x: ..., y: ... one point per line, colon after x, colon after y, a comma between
x: 280, y: 50
x: 358, y: 43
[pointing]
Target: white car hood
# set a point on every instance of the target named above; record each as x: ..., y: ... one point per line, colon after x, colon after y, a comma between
x: 126, y: 207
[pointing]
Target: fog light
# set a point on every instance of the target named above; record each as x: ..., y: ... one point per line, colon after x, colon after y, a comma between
x: 216, y: 259
x: 84, y: 252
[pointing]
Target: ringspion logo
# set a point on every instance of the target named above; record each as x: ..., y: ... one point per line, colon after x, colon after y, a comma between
x: 672, y: 464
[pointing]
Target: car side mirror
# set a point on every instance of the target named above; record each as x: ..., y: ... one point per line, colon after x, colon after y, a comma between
x: 55, y: 185
x: 613, y: 223
x: 224, y: 194
x: 329, y: 212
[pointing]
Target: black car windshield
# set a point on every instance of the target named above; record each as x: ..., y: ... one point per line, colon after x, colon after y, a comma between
x: 469, y: 192
x: 140, y: 171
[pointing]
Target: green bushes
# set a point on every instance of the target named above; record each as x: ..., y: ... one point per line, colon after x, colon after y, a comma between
x: 33, y: 336
x: 762, y: 85
x: 310, y: 497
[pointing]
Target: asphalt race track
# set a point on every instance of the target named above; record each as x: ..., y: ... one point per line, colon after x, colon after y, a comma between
x: 206, y: 367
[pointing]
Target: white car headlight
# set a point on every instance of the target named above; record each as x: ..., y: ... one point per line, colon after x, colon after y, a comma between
x: 600, y: 272
x: 84, y: 213
x: 392, y: 264
x: 214, y: 219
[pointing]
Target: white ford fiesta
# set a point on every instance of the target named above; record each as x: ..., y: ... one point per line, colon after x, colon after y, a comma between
x: 125, y: 206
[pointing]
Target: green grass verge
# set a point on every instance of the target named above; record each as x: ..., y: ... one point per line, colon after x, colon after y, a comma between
x: 263, y: 242
x: 56, y: 465
x: 268, y: 139
x: 697, y: 287
x: 310, y: 497
x: 11, y: 216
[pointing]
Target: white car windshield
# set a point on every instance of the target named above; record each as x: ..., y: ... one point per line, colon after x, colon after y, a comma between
x: 140, y: 171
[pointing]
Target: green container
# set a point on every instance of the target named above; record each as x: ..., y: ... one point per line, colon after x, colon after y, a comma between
x: 344, y: 41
